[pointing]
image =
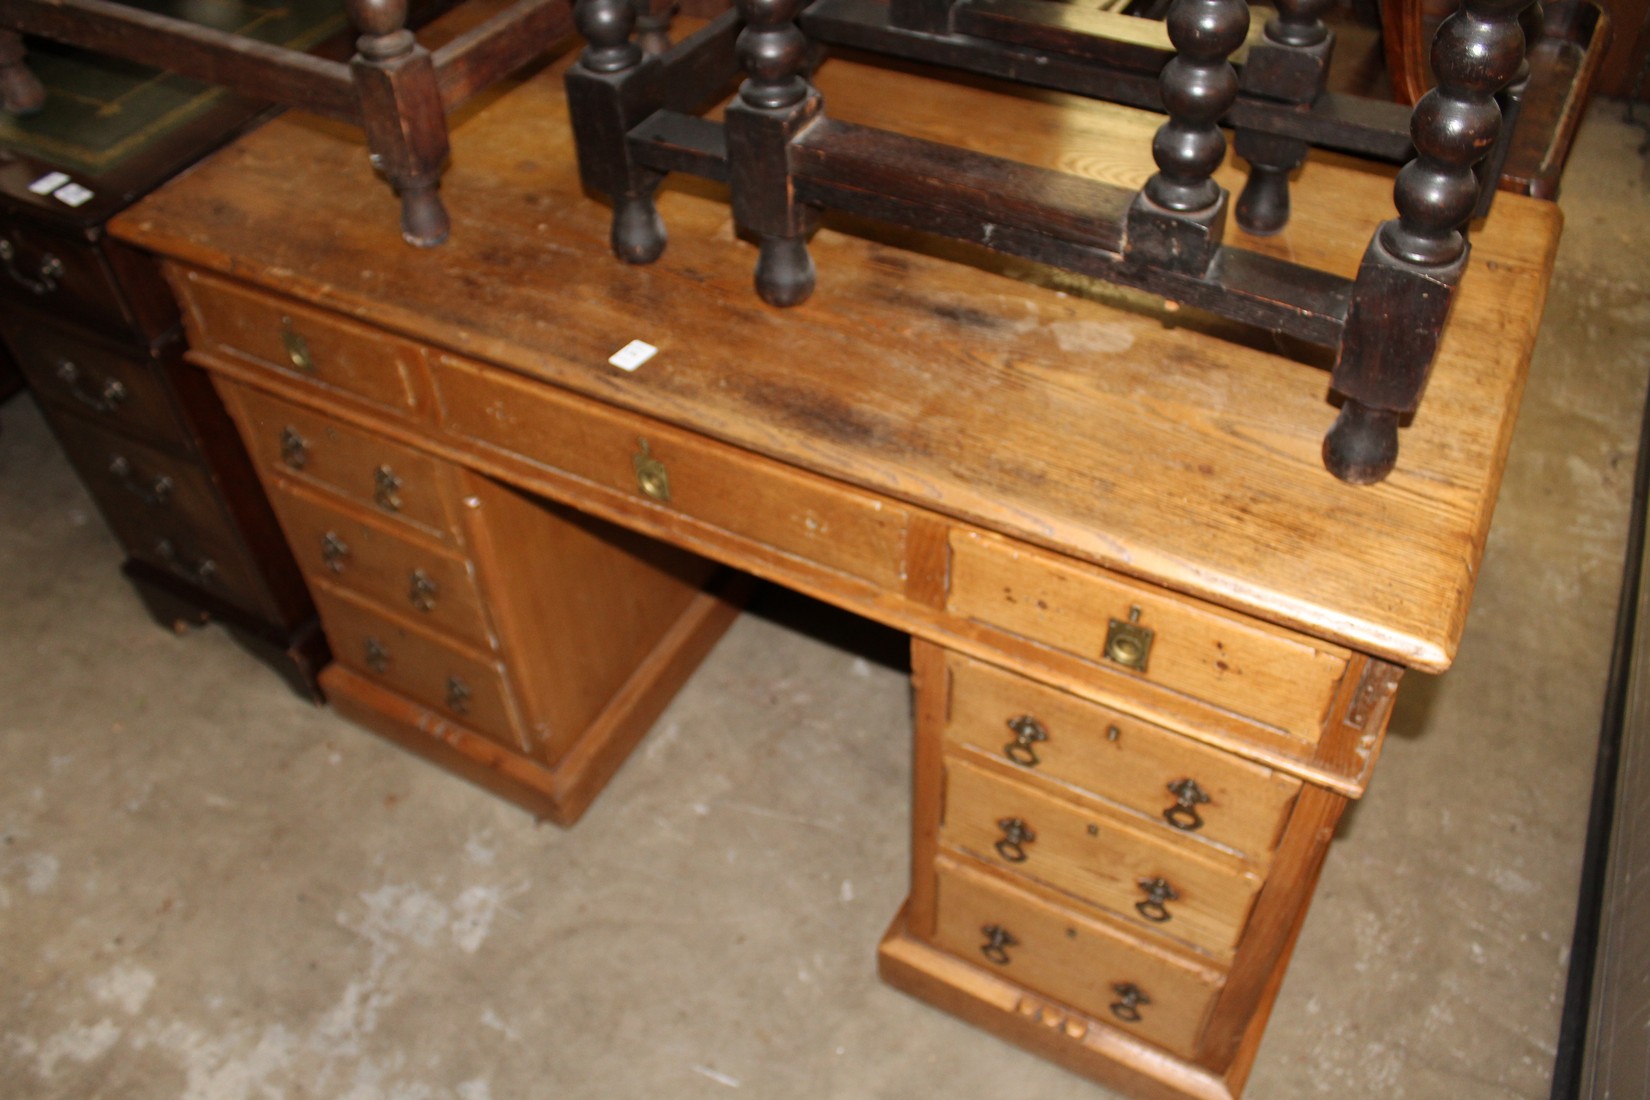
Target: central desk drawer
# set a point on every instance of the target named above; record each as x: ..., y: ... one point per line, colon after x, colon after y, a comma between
x: 1272, y: 676
x: 1191, y: 892
x: 464, y: 688
x: 1181, y: 784
x: 757, y: 499
x: 412, y: 580
x: 1061, y: 953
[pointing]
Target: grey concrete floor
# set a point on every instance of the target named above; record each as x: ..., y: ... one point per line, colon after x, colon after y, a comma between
x: 210, y: 890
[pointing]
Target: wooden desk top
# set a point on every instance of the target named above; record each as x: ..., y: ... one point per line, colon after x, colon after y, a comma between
x: 1075, y: 416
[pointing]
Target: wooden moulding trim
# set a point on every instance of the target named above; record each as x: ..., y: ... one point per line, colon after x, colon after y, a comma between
x: 560, y: 794
x: 1080, y: 1043
x: 244, y: 65
x: 890, y: 607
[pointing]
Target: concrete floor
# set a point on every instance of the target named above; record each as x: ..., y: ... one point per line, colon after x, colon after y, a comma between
x: 210, y: 890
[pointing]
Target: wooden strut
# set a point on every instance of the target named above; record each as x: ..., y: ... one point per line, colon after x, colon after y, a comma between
x: 635, y: 119
x: 397, y: 91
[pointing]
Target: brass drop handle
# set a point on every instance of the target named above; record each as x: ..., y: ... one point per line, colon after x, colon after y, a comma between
x: 1128, y: 643
x: 997, y: 942
x: 458, y: 695
x: 1129, y: 999
x: 1159, y: 893
x: 105, y: 399
x: 297, y: 348
x: 1183, y: 814
x: 421, y: 590
x: 386, y: 489
x: 651, y: 476
x: 45, y: 278
x: 153, y: 493
x: 1016, y: 835
x: 378, y: 658
x: 334, y: 551
x: 294, y: 448
x: 1027, y: 733
x: 203, y: 570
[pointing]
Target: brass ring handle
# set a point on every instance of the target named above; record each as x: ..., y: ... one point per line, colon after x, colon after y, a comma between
x: 105, y: 400
x: 44, y: 281
x: 1155, y: 907
x: 378, y: 658
x: 1183, y: 814
x: 334, y: 551
x: 1127, y: 1006
x: 155, y: 494
x: 1128, y: 643
x: 294, y: 449
x: 1027, y: 733
x: 458, y: 695
x: 1016, y: 835
x: 997, y: 942
x: 421, y: 591
x: 386, y: 489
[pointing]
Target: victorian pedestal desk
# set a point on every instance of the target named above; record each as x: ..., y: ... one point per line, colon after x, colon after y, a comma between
x: 1155, y: 645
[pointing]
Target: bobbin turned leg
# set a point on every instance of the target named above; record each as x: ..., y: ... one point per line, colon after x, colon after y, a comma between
x: 775, y: 102
x: 609, y: 89
x: 1288, y: 65
x: 1407, y: 281
x: 1177, y: 219
x: 402, y: 115
x: 21, y: 92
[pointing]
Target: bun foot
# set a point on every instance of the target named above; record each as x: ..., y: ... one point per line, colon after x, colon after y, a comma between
x: 638, y: 231
x: 424, y: 221
x: 1263, y: 205
x: 1362, y: 446
x: 784, y: 271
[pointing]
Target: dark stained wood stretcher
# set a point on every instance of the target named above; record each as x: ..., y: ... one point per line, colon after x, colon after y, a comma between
x: 396, y: 90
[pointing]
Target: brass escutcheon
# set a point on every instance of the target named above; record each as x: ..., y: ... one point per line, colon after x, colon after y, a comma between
x: 651, y: 476
x: 297, y: 348
x: 1128, y: 643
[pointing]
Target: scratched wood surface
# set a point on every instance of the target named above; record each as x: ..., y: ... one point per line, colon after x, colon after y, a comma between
x: 1092, y: 421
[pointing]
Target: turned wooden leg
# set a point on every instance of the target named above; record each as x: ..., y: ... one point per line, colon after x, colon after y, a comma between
x: 1263, y: 204
x: 1288, y: 65
x: 402, y: 115
x: 21, y: 92
x: 653, y: 19
x: 775, y: 102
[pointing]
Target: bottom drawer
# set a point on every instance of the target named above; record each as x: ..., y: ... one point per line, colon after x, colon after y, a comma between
x: 1073, y: 958
x: 419, y: 665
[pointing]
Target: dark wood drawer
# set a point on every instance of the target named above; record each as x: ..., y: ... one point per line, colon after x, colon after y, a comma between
x: 121, y: 389
x: 1201, y: 897
x: 1180, y: 784
x: 77, y: 278
x: 460, y: 686
x: 1072, y: 957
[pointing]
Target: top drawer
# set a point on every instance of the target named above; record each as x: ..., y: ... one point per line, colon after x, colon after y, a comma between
x: 76, y: 279
x: 1272, y: 676
x: 302, y: 343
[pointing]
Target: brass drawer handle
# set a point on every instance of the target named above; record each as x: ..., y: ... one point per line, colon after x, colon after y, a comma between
x: 1027, y: 733
x: 458, y: 695
x: 386, y: 489
x: 1128, y: 643
x: 1016, y: 835
x: 203, y: 570
x: 297, y: 348
x: 378, y: 658
x: 105, y: 399
x: 997, y: 942
x: 1159, y: 893
x: 154, y: 493
x: 1183, y: 814
x: 43, y: 281
x: 334, y: 551
x: 651, y: 476
x: 421, y: 591
x: 1127, y: 1006
x: 294, y: 448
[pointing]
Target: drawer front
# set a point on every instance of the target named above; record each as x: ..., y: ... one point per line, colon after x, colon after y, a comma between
x: 1279, y: 679
x: 803, y: 516
x: 1195, y: 790
x: 375, y: 561
x: 302, y: 343
x: 119, y: 390
x: 61, y: 275
x: 456, y: 685
x: 1073, y: 958
x: 383, y: 477
x: 1181, y: 890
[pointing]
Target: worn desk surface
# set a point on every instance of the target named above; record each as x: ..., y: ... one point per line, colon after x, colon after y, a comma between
x: 1046, y: 407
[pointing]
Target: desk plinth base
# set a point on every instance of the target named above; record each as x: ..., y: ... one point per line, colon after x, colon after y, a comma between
x: 1078, y: 1042
x: 559, y: 793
